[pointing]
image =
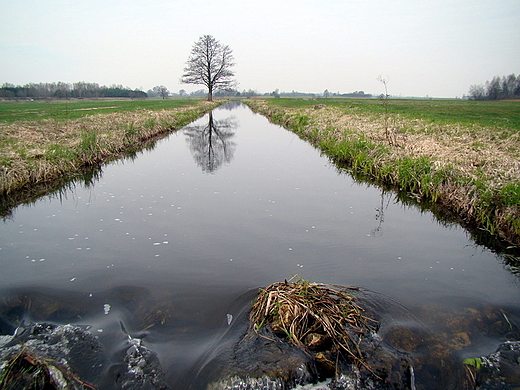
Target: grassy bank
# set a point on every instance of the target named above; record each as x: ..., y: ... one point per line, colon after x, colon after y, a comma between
x: 460, y: 157
x: 63, y: 110
x: 41, y: 142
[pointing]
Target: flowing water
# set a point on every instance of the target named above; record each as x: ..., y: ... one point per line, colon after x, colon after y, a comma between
x: 173, y: 244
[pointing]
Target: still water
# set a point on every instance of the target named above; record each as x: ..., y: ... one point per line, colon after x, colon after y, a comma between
x: 172, y: 243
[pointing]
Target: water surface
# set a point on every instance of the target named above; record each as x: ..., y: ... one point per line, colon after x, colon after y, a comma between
x: 171, y: 242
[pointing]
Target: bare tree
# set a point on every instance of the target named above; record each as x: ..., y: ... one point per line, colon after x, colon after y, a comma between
x: 477, y: 92
x: 209, y: 64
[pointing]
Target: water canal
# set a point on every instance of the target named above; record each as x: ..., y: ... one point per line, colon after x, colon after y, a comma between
x: 172, y: 244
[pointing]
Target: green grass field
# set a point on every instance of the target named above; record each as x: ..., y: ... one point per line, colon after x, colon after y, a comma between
x: 13, y: 111
x: 504, y: 114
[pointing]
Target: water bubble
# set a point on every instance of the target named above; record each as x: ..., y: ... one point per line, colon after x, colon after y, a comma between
x: 73, y: 279
x: 106, y: 308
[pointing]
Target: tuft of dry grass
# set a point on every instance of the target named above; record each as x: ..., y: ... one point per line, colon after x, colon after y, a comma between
x: 27, y: 370
x: 318, y: 317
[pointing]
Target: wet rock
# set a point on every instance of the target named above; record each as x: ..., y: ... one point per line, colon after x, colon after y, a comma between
x: 248, y: 383
x: 66, y: 356
x: 311, y: 336
x: 497, y: 371
x: 143, y: 369
x: 45, y: 305
x: 262, y: 356
x: 70, y: 357
x: 265, y: 361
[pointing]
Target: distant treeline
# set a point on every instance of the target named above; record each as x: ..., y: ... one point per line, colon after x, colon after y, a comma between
x: 60, y: 90
x: 276, y: 93
x: 507, y: 87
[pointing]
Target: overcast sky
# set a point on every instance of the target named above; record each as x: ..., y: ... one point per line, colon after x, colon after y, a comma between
x: 425, y: 47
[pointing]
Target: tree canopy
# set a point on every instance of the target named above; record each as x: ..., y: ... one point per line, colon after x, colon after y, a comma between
x: 61, y: 90
x: 507, y: 87
x: 209, y: 64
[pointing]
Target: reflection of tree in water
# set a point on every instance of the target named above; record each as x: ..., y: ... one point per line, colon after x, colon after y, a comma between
x: 380, y: 214
x: 211, y: 144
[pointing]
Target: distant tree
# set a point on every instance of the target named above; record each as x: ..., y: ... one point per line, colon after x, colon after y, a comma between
x: 182, y: 92
x: 477, y: 92
x: 209, y: 64
x: 326, y: 93
x: 493, y: 88
x: 161, y: 91
x: 199, y: 92
x: 249, y: 93
x: 61, y: 90
x: 507, y: 87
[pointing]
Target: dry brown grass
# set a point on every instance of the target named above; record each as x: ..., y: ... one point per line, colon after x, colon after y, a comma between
x: 474, y: 150
x: 317, y: 317
x: 472, y: 172
x: 27, y: 370
x: 35, y: 152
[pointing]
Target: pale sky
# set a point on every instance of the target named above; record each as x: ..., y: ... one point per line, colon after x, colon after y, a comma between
x: 425, y: 47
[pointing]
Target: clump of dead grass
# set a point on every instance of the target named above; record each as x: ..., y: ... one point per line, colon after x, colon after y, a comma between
x: 27, y: 370
x: 317, y: 317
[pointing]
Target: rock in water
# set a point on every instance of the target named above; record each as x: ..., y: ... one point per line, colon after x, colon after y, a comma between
x: 57, y: 356
x: 70, y: 357
x: 497, y: 371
